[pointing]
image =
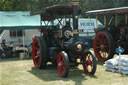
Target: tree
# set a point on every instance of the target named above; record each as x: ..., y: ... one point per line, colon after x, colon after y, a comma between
x: 17, y: 5
x: 27, y: 5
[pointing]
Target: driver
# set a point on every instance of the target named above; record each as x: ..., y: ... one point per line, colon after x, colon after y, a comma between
x: 68, y: 25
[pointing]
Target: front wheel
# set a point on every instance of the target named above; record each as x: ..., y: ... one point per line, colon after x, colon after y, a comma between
x: 89, y: 63
x: 63, y: 64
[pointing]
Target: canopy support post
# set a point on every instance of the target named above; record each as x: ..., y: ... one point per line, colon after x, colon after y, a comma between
x: 110, y: 20
x: 126, y: 19
x: 23, y: 42
x: 96, y: 21
x: 105, y: 21
x: 116, y: 21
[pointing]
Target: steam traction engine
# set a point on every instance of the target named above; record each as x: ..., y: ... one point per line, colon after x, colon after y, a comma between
x: 60, y: 43
x: 114, y: 34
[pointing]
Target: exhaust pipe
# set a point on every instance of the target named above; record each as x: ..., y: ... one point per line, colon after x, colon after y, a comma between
x: 75, y: 15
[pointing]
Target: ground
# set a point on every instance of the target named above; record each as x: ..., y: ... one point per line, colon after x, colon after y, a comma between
x: 22, y: 72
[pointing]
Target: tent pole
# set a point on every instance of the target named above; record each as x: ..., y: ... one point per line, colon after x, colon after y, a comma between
x: 23, y: 41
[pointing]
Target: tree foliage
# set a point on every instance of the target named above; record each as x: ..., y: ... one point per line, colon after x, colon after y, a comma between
x: 101, y: 4
x: 28, y: 5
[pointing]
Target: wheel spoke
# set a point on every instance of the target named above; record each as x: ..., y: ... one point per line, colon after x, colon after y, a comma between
x: 89, y: 58
x: 37, y: 56
x: 36, y: 48
x: 87, y: 62
x: 91, y: 63
x: 62, y: 63
x: 100, y: 41
x: 63, y: 67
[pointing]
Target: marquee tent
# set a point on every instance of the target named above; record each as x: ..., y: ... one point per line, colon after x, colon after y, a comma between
x: 18, y: 20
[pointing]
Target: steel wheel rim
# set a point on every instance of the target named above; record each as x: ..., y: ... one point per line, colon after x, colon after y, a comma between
x: 61, y: 65
x: 102, y: 46
x: 88, y: 63
x: 36, y: 52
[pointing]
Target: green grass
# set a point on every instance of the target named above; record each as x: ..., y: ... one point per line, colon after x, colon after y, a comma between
x: 22, y: 72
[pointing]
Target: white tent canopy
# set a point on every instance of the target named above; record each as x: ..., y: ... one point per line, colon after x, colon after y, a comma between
x: 18, y: 20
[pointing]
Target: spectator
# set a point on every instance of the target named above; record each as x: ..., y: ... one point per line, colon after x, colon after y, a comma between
x: 4, y: 46
x: 20, y: 48
x: 20, y: 43
x: 7, y: 50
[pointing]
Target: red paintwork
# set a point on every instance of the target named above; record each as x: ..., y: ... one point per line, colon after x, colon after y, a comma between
x: 87, y: 62
x: 61, y: 62
x: 101, y: 46
x: 35, y: 50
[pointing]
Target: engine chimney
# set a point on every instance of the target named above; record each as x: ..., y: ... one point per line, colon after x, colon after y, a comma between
x: 75, y: 14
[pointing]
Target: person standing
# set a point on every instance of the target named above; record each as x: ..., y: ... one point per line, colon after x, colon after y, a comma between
x: 20, y: 43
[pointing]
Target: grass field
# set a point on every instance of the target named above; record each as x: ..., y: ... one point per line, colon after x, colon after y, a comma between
x: 22, y: 72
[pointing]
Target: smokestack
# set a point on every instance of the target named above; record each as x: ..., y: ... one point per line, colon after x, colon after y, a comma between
x: 75, y: 14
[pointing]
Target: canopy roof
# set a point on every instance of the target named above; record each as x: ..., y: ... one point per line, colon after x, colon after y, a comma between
x: 52, y: 12
x: 18, y: 20
x: 119, y: 10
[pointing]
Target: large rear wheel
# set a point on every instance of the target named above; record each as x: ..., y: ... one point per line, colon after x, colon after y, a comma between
x: 63, y: 64
x: 103, y: 46
x: 39, y: 52
x: 89, y: 63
